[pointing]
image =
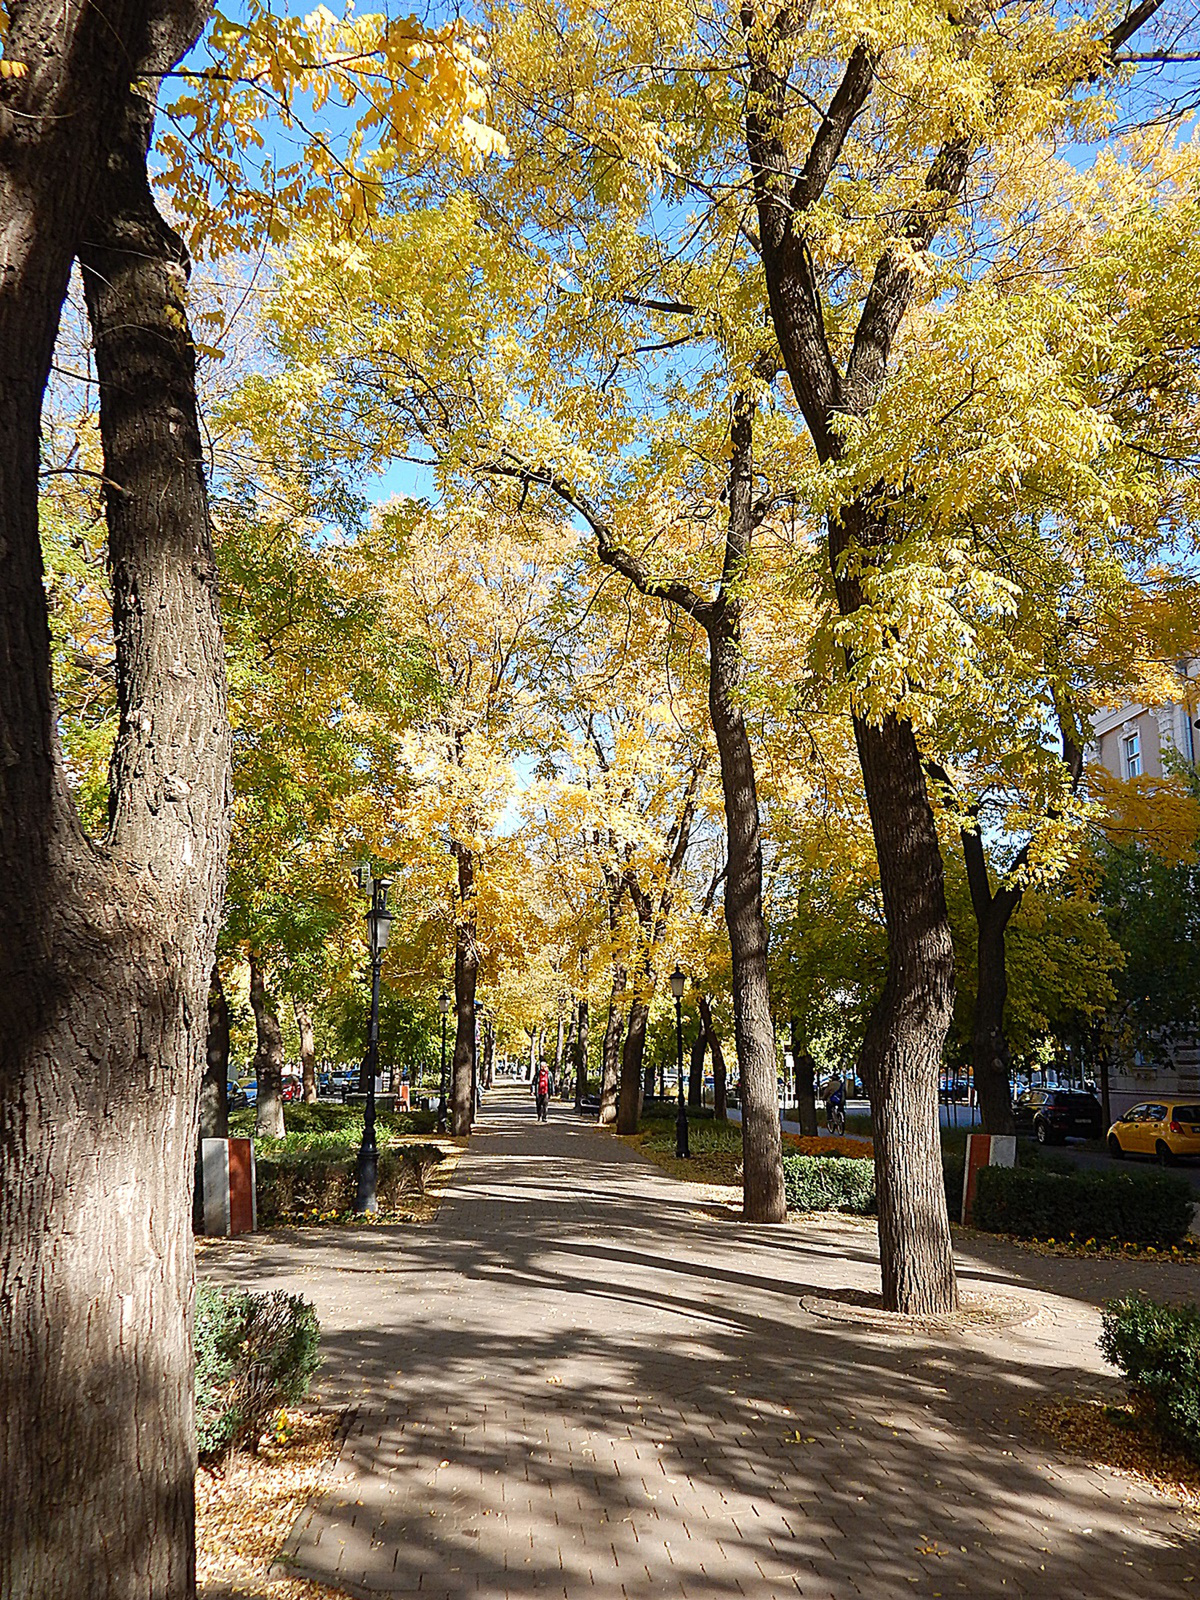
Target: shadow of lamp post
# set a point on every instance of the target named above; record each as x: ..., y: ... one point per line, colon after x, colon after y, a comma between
x: 379, y: 926
x: 444, y: 1008
x: 678, y: 981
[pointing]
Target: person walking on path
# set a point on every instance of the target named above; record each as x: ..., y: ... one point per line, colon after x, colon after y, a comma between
x: 541, y: 1091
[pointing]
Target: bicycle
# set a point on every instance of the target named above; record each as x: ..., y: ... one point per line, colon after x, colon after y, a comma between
x: 835, y: 1118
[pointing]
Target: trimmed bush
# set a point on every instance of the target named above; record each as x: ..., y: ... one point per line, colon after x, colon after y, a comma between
x: 1149, y: 1208
x: 254, y: 1354
x: 1157, y: 1348
x: 829, y: 1183
x: 294, y: 1183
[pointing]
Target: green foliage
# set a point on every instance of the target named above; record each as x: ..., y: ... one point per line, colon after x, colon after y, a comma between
x: 409, y: 1030
x: 331, y: 1130
x: 254, y: 1354
x: 1149, y: 1208
x: 294, y: 1185
x: 1157, y: 1348
x: 829, y: 1183
x: 1151, y: 904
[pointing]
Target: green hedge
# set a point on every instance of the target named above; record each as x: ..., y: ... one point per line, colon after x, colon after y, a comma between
x: 254, y: 1354
x: 1157, y: 1347
x: 1150, y: 1208
x: 829, y: 1183
x: 293, y: 1183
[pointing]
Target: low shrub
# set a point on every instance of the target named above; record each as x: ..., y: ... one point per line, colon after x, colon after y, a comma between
x: 1157, y: 1348
x: 1149, y: 1208
x: 829, y: 1183
x: 254, y: 1354
x: 294, y: 1183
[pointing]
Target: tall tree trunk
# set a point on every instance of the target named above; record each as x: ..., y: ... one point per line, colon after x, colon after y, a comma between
x: 720, y: 1086
x: 308, y: 1051
x: 560, y: 1045
x: 214, y: 1088
x: 610, y: 1060
x: 107, y: 947
x: 764, y: 1199
x: 902, y: 1049
x: 989, y: 1044
x: 629, y: 1104
x: 581, y: 1051
x: 696, y: 1069
x: 466, y: 977
x: 489, y: 1053
x: 268, y: 1055
x: 804, y: 1070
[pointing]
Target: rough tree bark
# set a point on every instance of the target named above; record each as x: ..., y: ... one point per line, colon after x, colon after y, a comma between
x: 489, y: 1053
x: 466, y: 976
x: 633, y: 1050
x: 214, y: 1088
x: 804, y: 1070
x: 720, y: 1085
x: 611, y: 1050
x: 696, y: 1069
x: 108, y: 945
x: 903, y: 1043
x: 308, y: 1051
x: 581, y: 1052
x: 268, y: 1055
x: 763, y: 1196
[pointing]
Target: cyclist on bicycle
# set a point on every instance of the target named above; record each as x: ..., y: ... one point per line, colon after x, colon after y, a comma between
x: 835, y: 1105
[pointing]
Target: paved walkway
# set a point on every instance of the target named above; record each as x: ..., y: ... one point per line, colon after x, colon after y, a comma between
x: 577, y: 1383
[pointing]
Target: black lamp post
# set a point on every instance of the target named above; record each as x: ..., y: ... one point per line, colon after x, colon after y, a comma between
x: 678, y: 981
x: 444, y: 1008
x: 379, y: 925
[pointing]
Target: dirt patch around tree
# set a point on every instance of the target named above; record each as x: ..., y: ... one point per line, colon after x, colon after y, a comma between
x: 244, y: 1512
x: 977, y: 1313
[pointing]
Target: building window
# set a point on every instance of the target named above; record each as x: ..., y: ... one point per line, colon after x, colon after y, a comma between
x: 1131, y: 755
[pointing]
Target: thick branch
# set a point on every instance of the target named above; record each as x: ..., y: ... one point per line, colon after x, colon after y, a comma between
x: 827, y: 144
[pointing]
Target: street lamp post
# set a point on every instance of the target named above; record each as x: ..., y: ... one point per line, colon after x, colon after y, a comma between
x: 379, y: 925
x: 678, y: 981
x: 444, y: 1008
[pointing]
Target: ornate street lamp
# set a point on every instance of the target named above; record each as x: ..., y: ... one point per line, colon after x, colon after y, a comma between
x: 678, y: 981
x: 379, y: 926
x: 444, y: 1008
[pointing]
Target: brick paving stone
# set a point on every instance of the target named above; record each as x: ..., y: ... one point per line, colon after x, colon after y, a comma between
x: 576, y: 1383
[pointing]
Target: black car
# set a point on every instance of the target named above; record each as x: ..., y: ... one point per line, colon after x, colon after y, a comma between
x: 1053, y: 1115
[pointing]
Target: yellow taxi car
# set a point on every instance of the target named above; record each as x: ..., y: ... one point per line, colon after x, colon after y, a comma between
x: 1162, y: 1128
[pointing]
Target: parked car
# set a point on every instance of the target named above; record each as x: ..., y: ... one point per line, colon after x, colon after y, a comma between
x: 235, y: 1096
x: 249, y: 1087
x: 1053, y: 1115
x: 1162, y: 1128
x: 293, y: 1087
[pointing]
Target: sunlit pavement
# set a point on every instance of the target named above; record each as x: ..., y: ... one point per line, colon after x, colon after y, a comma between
x: 578, y: 1381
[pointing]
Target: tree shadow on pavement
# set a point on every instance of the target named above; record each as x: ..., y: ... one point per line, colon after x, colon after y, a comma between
x: 575, y: 1383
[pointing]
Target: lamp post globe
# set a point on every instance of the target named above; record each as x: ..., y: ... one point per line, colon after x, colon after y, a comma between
x: 379, y: 926
x: 678, y: 982
x: 444, y: 1008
